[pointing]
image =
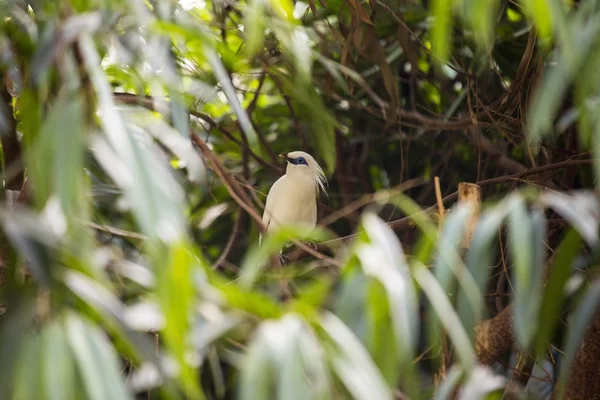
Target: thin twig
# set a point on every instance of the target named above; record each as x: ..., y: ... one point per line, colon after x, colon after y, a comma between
x: 438, y: 197
x: 402, y: 223
x: 232, y: 186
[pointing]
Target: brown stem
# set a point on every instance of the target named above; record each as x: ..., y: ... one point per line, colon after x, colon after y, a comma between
x: 238, y: 194
x: 148, y: 102
x: 406, y: 222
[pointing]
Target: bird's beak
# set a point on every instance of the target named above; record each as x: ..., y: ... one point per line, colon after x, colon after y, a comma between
x: 284, y: 156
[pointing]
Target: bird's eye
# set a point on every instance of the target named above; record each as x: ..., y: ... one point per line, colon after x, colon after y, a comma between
x: 301, y: 160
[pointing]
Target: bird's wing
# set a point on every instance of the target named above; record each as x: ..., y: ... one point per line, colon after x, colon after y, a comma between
x: 312, y: 212
x: 270, y: 203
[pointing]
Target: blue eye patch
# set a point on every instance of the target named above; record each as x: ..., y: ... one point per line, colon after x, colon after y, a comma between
x: 298, y: 161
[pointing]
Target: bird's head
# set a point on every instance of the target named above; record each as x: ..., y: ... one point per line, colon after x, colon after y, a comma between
x: 301, y: 163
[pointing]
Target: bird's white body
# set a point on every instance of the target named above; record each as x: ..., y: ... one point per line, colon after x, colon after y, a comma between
x: 293, y: 198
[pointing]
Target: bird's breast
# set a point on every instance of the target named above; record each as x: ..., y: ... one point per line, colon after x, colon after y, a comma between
x: 294, y: 202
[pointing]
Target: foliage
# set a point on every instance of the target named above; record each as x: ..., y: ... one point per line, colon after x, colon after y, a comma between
x: 147, y: 133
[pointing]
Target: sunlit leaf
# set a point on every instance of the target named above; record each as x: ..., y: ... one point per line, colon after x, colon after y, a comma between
x: 153, y: 195
x: 440, y: 32
x: 541, y: 13
x: 254, y: 26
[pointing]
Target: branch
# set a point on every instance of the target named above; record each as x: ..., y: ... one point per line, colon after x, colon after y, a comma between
x: 233, y: 237
x: 10, y: 142
x: 584, y: 372
x: 403, y: 223
x: 232, y: 186
x: 149, y: 103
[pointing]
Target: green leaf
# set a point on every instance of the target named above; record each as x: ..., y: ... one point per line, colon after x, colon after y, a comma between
x: 285, y: 361
x: 320, y: 121
x: 382, y: 257
x: 541, y: 13
x: 441, y: 29
x: 481, y: 17
x: 526, y: 246
x: 554, y: 293
x: 449, y: 267
x: 383, y: 351
x: 131, y: 159
x: 580, y: 209
x: 273, y: 243
x: 548, y: 96
x: 176, y: 294
x: 452, y: 324
x: 59, y: 375
x: 446, y: 389
x: 254, y: 26
x: 28, y: 382
x: 57, y: 155
x: 479, y: 259
x: 177, y: 143
x: 351, y: 362
x: 96, y: 360
x: 231, y: 94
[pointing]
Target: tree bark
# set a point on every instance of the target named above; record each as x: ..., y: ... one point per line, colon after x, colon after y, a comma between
x: 584, y: 378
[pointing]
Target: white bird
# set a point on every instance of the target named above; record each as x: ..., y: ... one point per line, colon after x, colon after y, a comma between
x: 293, y: 198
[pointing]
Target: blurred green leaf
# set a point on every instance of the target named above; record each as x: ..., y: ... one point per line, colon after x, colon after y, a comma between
x: 481, y: 382
x: 581, y: 210
x: 547, y: 96
x: 229, y: 91
x: 448, y: 317
x: 28, y: 382
x: 448, y: 385
x: 176, y: 293
x: 96, y: 360
x: 319, y: 120
x: 561, y: 269
x: 351, y: 362
x: 526, y: 246
x: 479, y: 258
x: 57, y: 155
x: 540, y: 11
x: 271, y: 245
x: 481, y: 16
x: 254, y: 26
x: 57, y: 365
x: 449, y: 267
x: 440, y: 33
x: 382, y: 257
x: 284, y: 361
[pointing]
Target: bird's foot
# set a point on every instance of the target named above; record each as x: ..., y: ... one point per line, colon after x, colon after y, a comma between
x: 283, y: 259
x: 312, y: 245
